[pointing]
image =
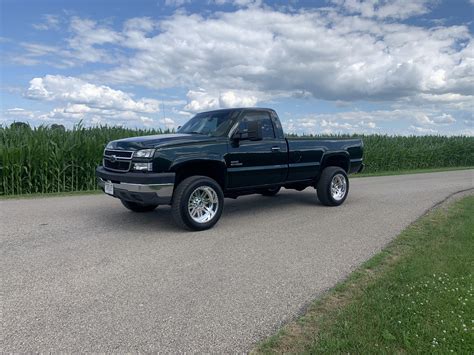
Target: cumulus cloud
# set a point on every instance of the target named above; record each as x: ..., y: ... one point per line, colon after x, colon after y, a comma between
x: 370, y: 122
x: 80, y: 100
x: 200, y: 100
x: 322, y: 55
x: 349, y: 52
x: 74, y: 90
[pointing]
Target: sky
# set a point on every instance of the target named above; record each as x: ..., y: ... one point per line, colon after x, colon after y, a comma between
x: 400, y: 67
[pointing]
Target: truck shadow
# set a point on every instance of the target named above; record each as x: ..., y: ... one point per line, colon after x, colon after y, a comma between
x: 245, y: 206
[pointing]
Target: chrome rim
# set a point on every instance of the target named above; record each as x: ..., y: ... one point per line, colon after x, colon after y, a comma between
x: 203, y: 204
x: 338, y: 187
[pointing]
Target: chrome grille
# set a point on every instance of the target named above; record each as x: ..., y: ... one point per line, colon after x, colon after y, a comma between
x: 117, y: 160
x: 126, y: 154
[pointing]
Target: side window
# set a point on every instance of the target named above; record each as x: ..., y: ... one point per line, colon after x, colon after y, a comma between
x: 264, y: 118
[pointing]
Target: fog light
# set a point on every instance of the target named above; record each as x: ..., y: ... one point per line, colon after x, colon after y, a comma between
x: 142, y: 166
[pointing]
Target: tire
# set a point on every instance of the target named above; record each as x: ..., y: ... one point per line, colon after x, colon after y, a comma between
x: 200, y: 192
x: 138, y: 207
x: 333, y: 176
x: 271, y: 191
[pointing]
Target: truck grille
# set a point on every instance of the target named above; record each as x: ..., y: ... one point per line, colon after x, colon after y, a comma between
x: 117, y: 160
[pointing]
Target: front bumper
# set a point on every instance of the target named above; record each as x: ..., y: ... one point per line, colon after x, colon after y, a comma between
x: 146, y: 188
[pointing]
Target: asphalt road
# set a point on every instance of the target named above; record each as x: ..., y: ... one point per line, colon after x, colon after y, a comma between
x: 85, y: 274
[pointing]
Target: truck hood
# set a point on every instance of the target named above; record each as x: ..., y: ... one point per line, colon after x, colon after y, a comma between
x: 158, y: 141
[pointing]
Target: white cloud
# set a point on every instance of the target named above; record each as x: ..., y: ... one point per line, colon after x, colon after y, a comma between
x: 87, y: 36
x: 319, y: 54
x: 78, y: 91
x: 355, y: 50
x: 369, y: 121
x: 80, y: 100
x: 398, y: 9
x: 200, y: 100
x: 176, y: 3
x: 423, y: 130
x: 18, y: 113
x: 239, y: 3
x: 49, y: 22
x: 168, y: 122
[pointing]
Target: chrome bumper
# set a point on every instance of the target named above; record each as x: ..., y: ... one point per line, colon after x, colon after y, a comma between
x: 153, y: 188
x: 142, y: 193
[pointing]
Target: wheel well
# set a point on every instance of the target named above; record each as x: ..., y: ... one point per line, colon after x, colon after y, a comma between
x: 337, y: 160
x: 213, y: 169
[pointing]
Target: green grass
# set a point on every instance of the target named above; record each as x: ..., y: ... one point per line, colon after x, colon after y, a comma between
x: 413, y: 171
x: 416, y: 296
x: 50, y: 160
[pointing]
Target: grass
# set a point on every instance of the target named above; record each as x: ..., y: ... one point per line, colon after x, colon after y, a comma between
x: 416, y: 296
x: 44, y: 159
x: 413, y: 171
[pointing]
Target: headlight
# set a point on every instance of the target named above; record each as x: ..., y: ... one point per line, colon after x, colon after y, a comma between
x: 144, y: 153
x: 109, y: 145
x: 142, y: 166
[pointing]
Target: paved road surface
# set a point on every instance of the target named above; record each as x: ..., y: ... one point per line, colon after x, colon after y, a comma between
x: 84, y: 274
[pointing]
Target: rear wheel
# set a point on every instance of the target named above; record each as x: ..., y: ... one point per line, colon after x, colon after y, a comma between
x: 271, y: 191
x: 138, y: 207
x: 198, y: 202
x: 333, y: 186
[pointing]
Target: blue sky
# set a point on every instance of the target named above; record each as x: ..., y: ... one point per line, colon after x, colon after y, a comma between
x: 336, y: 66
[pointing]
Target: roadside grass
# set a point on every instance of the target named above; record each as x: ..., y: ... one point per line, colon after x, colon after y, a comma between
x: 412, y: 171
x: 416, y: 296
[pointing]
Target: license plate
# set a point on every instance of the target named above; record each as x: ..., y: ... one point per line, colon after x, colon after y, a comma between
x: 109, y: 188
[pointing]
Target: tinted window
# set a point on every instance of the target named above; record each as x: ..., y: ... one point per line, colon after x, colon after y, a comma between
x: 264, y: 118
x: 215, y: 123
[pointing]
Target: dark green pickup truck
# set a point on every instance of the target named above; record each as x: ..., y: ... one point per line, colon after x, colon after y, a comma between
x: 224, y: 153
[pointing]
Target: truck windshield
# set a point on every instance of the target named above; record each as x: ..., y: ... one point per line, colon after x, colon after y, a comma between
x: 215, y: 124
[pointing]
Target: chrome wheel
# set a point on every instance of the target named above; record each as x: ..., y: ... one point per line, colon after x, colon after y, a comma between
x: 203, y: 204
x: 338, y: 187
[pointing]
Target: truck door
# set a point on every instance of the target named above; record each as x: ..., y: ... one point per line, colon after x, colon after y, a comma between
x: 257, y: 163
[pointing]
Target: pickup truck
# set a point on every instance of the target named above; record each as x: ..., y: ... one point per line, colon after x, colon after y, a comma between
x: 224, y: 153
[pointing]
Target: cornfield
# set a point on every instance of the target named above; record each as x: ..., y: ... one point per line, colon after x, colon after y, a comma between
x: 45, y: 159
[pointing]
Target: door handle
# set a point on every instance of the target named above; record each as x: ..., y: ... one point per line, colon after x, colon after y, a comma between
x: 275, y: 149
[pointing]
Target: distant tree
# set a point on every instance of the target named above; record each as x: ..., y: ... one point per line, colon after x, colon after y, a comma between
x: 20, y: 125
x: 58, y: 127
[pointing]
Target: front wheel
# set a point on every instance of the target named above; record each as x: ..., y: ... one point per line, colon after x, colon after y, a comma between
x: 333, y: 186
x: 138, y: 207
x: 198, y: 202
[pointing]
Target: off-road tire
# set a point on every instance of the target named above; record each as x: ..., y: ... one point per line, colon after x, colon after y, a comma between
x: 181, y: 196
x: 323, y: 186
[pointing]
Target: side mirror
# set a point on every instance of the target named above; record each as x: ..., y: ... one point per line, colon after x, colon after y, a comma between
x: 253, y: 132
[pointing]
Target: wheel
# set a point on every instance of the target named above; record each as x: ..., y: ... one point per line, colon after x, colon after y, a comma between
x: 138, y: 207
x: 198, y: 202
x: 271, y: 191
x: 333, y: 186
